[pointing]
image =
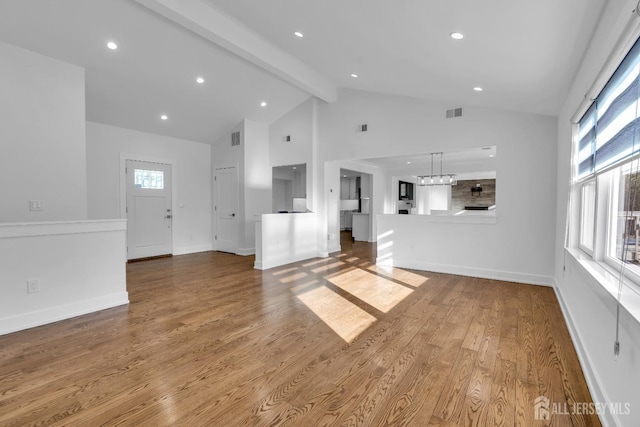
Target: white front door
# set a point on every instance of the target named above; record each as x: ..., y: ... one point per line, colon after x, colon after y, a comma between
x: 226, y: 209
x: 148, y: 209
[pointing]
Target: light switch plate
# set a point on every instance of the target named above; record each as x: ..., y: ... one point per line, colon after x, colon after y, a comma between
x: 36, y: 205
x: 33, y: 286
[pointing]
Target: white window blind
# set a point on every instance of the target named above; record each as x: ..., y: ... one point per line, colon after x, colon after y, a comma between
x: 609, y: 132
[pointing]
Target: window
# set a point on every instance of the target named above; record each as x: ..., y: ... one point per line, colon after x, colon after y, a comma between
x: 587, y: 216
x: 624, y: 219
x: 606, y: 177
x: 153, y: 180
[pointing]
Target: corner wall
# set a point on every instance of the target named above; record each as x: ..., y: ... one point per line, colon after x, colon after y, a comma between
x: 42, y: 129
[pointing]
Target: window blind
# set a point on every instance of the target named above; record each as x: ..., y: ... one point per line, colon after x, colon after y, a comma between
x: 609, y: 132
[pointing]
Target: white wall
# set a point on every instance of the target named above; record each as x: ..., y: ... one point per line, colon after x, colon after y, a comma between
x: 42, y: 137
x: 299, y: 124
x: 437, y: 197
x: 80, y: 267
x: 191, y: 175
x: 589, y: 309
x: 254, y: 177
x: 257, y: 179
x: 526, y: 193
x: 225, y: 155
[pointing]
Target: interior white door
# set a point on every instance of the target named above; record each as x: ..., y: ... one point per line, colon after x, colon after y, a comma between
x: 149, y: 215
x: 226, y: 209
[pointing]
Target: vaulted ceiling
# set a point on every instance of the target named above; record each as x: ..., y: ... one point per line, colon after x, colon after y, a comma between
x: 523, y: 54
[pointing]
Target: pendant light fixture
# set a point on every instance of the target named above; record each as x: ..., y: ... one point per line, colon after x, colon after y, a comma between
x: 437, y: 179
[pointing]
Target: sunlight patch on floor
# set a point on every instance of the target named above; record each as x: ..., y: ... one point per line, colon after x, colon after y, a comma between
x: 293, y: 277
x: 376, y: 291
x: 345, y: 318
x: 327, y: 267
x: 299, y: 288
x: 316, y: 262
x: 284, y: 271
x: 407, y: 277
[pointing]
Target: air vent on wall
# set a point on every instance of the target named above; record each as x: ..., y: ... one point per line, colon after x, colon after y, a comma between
x: 454, y: 112
x: 362, y: 128
x: 235, y: 138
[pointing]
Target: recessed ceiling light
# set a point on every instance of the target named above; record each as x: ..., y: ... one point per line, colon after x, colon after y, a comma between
x: 263, y: 104
x: 355, y: 76
x: 492, y: 155
x: 112, y: 45
x: 164, y: 117
x: 298, y: 34
x: 478, y: 89
x: 408, y: 163
x: 294, y: 167
x: 344, y: 176
x: 200, y: 80
x: 456, y: 36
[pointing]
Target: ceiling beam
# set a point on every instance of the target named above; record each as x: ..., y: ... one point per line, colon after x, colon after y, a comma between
x: 207, y: 22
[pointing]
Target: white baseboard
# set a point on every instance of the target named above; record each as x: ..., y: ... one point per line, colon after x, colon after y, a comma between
x: 192, y: 249
x: 334, y: 248
x: 246, y: 251
x: 593, y: 382
x: 61, y: 312
x: 507, y: 276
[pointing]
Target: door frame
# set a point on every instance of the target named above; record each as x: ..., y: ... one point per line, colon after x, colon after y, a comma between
x: 214, y: 199
x: 123, y: 186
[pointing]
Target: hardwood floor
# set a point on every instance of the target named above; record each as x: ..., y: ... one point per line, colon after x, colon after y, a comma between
x: 208, y: 340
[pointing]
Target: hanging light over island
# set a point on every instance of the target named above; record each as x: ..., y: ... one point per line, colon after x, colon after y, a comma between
x: 437, y: 179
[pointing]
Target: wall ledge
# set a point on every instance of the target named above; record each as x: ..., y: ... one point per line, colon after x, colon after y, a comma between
x: 33, y: 229
x: 472, y: 218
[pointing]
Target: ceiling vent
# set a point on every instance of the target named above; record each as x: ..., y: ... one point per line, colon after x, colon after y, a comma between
x: 454, y: 112
x: 235, y: 138
x: 362, y: 128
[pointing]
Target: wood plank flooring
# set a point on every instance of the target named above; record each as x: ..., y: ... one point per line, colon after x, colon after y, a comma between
x: 208, y: 340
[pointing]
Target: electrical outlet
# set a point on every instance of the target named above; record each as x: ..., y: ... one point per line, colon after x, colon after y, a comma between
x: 33, y: 286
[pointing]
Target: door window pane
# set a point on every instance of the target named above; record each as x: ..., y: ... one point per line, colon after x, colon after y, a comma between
x: 153, y: 180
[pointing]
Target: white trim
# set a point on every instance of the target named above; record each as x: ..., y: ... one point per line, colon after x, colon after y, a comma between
x: 32, y: 229
x: 246, y: 251
x: 508, y: 276
x: 192, y: 249
x: 61, y: 312
x: 593, y: 381
x: 123, y: 185
x: 334, y: 248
